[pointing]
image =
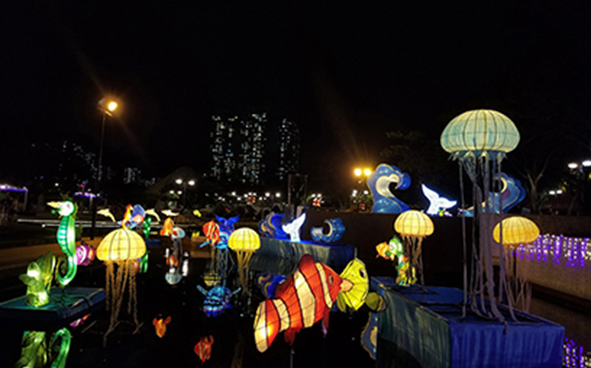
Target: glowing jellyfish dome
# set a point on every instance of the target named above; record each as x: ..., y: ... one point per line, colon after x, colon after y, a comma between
x: 480, y: 132
x: 516, y: 230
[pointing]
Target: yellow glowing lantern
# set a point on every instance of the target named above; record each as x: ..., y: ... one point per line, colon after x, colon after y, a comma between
x: 121, y: 245
x: 244, y: 242
x: 513, y: 232
x: 413, y: 226
x: 413, y: 223
x: 123, y: 248
x: 516, y: 230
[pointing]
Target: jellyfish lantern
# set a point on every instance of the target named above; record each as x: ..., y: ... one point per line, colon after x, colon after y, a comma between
x: 479, y: 140
x: 517, y: 233
x: 120, y: 250
x: 244, y: 242
x: 413, y: 226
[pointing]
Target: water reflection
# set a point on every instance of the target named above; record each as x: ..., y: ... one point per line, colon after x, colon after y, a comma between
x: 577, y: 345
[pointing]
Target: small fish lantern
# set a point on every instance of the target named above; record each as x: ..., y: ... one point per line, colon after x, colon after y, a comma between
x: 85, y: 254
x: 203, y: 348
x: 160, y: 325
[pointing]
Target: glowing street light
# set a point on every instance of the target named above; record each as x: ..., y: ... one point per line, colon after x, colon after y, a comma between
x: 184, y: 183
x: 107, y: 106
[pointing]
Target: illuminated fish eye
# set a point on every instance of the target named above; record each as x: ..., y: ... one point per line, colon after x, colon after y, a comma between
x: 362, y: 273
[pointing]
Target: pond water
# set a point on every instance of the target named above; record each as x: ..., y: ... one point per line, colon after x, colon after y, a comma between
x: 232, y: 331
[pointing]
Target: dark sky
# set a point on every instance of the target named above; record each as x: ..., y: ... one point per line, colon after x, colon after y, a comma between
x: 345, y: 73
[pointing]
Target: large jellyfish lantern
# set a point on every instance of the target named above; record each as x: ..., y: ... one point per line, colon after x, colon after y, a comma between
x: 120, y: 250
x: 479, y: 140
x: 384, y: 201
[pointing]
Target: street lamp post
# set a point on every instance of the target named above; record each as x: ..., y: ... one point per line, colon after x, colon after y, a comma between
x: 107, y: 107
x: 184, y: 183
x: 362, y: 175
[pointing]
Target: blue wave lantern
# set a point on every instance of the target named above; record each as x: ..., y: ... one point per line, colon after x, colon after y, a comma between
x: 512, y: 193
x: 384, y: 201
x: 335, y: 231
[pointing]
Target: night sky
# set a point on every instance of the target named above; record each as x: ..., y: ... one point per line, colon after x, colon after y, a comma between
x: 347, y: 73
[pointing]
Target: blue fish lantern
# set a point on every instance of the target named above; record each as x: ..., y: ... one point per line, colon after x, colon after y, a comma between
x: 384, y: 201
x: 271, y: 226
x: 226, y: 227
x: 217, y: 299
x: 335, y: 231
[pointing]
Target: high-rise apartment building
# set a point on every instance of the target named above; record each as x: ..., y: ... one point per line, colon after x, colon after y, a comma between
x: 131, y: 175
x: 289, y: 148
x: 238, y: 148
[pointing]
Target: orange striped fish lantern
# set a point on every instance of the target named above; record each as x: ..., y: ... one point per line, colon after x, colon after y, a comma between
x: 212, y: 232
x: 305, y: 298
x: 203, y: 348
x: 167, y: 227
x: 160, y: 325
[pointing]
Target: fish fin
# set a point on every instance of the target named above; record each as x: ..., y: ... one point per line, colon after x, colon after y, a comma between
x: 167, y: 320
x: 155, y: 322
x: 290, y: 336
x: 325, y: 321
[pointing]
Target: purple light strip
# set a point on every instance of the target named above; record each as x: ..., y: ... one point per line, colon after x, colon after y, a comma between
x: 574, y: 250
x: 85, y: 195
x: 10, y: 188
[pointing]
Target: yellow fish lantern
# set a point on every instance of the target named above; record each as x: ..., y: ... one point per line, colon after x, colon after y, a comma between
x: 120, y: 250
x: 516, y: 230
x: 354, y: 287
x: 414, y: 226
x: 244, y: 242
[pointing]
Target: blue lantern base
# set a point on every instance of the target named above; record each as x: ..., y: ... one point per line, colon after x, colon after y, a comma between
x: 66, y: 306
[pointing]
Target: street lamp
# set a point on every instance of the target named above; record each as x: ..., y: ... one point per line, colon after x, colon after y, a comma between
x: 107, y: 106
x: 184, y: 183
